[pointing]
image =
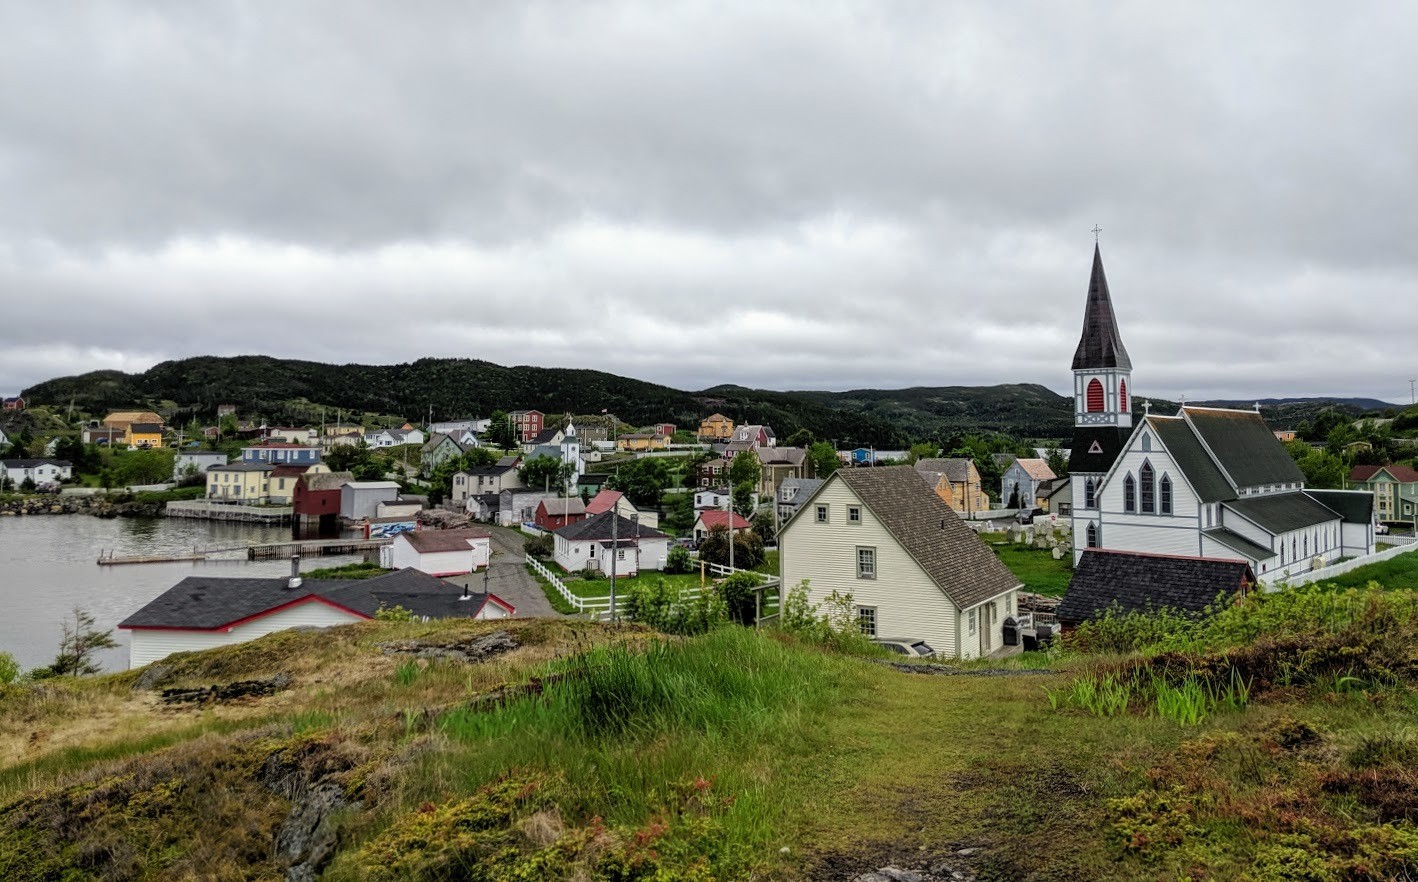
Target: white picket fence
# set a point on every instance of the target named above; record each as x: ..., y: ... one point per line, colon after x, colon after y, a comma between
x: 600, y: 607
x: 1284, y: 580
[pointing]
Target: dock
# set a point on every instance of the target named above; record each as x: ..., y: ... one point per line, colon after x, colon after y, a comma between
x: 229, y: 511
x: 254, y: 551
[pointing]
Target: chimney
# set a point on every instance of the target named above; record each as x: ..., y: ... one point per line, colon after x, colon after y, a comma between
x: 295, y: 580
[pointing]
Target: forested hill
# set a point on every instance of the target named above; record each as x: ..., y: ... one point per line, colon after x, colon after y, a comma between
x: 283, y: 390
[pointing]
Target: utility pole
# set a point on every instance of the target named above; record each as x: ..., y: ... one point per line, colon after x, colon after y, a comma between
x: 615, y: 522
x: 1411, y: 385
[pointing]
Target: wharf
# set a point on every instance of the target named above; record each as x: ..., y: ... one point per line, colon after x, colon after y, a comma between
x: 226, y: 511
x: 254, y: 551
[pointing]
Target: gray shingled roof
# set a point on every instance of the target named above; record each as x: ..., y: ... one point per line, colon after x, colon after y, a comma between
x: 1147, y: 582
x: 1355, y: 506
x: 1197, y: 466
x: 598, y: 528
x: 1239, y: 544
x: 948, y: 551
x: 1283, y: 512
x: 210, y: 602
x: 1245, y: 447
x: 1100, y: 346
x: 956, y: 471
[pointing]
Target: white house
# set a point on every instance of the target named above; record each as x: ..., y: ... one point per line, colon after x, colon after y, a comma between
x: 40, y: 471
x: 199, y: 460
x: 912, y: 567
x: 711, y: 519
x: 439, y: 552
x: 1206, y: 482
x: 596, y: 541
x: 203, y: 612
x: 713, y: 497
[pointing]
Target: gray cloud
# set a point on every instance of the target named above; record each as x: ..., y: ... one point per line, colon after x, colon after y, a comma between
x: 791, y: 196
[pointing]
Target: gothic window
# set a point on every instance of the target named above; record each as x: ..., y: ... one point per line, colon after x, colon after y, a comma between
x: 1146, y: 443
x: 1129, y: 494
x: 1095, y: 396
x: 1092, y: 535
x: 1090, y: 493
x: 1164, y: 491
x: 1307, y: 545
x: 1123, y: 396
x: 1149, y: 489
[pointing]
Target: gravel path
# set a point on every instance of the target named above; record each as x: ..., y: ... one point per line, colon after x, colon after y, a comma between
x: 508, y: 577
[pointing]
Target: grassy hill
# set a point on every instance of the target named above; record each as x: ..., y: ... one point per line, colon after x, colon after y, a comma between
x: 1275, y: 741
x: 290, y: 390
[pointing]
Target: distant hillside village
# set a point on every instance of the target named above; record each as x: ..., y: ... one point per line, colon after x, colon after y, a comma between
x: 973, y: 546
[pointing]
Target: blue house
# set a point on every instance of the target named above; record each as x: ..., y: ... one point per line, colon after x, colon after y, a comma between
x: 281, y: 454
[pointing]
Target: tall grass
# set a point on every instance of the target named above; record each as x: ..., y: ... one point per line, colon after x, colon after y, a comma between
x: 624, y: 728
x: 1187, y: 702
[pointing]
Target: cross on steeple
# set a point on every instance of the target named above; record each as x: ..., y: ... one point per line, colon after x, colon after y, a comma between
x: 1146, y: 407
x: 1096, y: 230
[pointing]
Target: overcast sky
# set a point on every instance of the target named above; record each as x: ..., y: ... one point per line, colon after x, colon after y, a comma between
x: 809, y: 195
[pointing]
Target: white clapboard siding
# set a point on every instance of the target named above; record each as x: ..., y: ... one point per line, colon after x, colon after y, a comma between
x: 908, y: 603
x: 150, y: 645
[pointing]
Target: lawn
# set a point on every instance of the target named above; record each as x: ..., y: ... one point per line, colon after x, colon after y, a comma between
x: 1035, y: 567
x: 602, y: 587
x: 1396, y: 572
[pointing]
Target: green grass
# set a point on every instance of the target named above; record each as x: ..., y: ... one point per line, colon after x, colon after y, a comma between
x: 357, y: 570
x: 1036, y: 568
x: 602, y: 587
x: 770, y: 563
x: 1396, y: 572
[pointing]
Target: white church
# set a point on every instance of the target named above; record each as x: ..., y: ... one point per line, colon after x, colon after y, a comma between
x: 1207, y: 482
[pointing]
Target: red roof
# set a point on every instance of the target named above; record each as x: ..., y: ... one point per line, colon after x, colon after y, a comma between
x: 715, y: 518
x: 603, y: 502
x: 1401, y: 474
x: 282, y: 444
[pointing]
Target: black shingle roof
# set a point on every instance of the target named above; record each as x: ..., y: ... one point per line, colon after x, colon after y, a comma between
x: 1283, y: 512
x: 1197, y: 466
x: 1101, y: 346
x: 32, y: 463
x: 1239, y: 544
x: 1244, y: 446
x: 1096, y: 448
x: 210, y: 602
x: 1355, y: 506
x: 1146, y: 582
x: 598, y: 528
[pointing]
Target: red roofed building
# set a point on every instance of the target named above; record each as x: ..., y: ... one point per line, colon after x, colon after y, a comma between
x: 553, y: 514
x: 713, y: 519
x: 1395, y: 490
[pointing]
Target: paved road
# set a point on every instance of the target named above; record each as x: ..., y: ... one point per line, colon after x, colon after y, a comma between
x: 508, y: 577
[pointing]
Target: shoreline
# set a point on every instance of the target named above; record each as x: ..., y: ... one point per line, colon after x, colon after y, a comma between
x: 100, y: 506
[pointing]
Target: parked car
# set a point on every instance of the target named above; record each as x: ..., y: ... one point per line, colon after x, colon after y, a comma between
x: 908, y: 648
x: 1381, y: 529
x: 1027, y: 515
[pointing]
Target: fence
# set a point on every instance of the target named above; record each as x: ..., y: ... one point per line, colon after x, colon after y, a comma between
x: 1339, y: 569
x: 599, y: 607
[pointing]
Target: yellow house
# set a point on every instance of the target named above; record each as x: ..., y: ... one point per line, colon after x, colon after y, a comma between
x: 642, y: 442
x: 247, y: 482
x: 716, y: 427
x: 280, y: 484
x: 143, y: 435
x: 956, y: 482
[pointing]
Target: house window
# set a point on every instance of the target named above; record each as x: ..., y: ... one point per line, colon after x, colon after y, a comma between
x: 1149, y: 489
x: 971, y: 618
x: 1208, y: 515
x: 1090, y: 493
x: 1092, y: 535
x: 1165, y: 492
x: 1129, y: 494
x: 1095, y: 399
x: 866, y: 563
x: 866, y: 620
x: 620, y: 554
x: 854, y: 514
x: 822, y: 514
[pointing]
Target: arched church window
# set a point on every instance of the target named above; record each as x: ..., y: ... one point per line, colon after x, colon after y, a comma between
x: 1149, y: 489
x: 1095, y: 396
x: 1090, y: 493
x: 1164, y: 491
x: 1092, y: 535
x: 1123, y: 396
x: 1129, y: 494
x: 1146, y: 443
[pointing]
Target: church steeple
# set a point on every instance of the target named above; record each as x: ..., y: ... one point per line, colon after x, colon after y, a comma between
x: 1102, y: 370
x: 1101, y: 346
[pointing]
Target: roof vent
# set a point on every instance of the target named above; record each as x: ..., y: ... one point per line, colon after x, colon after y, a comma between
x: 295, y: 580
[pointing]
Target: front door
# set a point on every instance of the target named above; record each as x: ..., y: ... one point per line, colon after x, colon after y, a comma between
x: 986, y: 629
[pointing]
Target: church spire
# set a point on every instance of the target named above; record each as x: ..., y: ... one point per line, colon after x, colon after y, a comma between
x: 1101, y: 346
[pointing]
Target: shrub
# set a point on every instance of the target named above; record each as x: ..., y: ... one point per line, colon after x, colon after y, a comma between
x: 591, y: 574
x: 679, y: 561
x: 9, y: 669
x: 539, y: 546
x: 664, y: 608
x: 738, y: 595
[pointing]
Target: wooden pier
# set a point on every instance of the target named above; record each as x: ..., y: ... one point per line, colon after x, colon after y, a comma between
x: 254, y: 551
x: 228, y: 511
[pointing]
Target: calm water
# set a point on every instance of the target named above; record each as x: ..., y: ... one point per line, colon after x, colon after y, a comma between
x: 47, y: 567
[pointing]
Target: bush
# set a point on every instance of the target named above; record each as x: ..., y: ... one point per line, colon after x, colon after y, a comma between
x: 9, y: 669
x: 679, y: 561
x: 659, y: 606
x: 737, y: 592
x: 591, y: 574
x: 542, y: 546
